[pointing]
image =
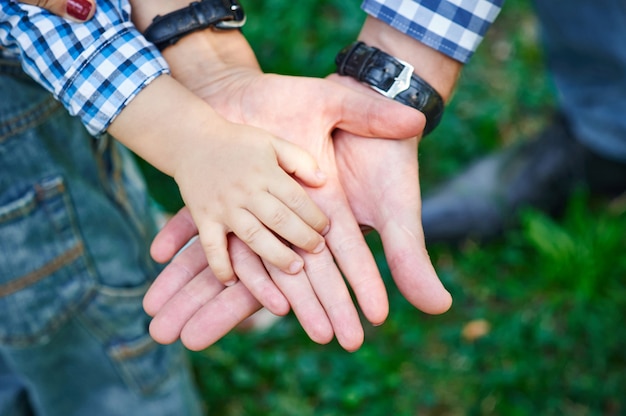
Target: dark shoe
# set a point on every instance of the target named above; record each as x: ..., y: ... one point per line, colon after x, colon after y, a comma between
x: 486, y: 199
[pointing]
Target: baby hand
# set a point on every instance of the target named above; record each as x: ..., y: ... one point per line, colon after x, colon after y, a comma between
x: 248, y: 185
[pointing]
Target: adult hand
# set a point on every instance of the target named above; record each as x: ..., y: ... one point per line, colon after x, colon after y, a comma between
x: 319, y: 104
x: 274, y: 102
x: 380, y: 178
x: 372, y: 170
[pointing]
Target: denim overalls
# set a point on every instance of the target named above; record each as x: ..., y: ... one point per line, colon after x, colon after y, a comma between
x: 75, y: 228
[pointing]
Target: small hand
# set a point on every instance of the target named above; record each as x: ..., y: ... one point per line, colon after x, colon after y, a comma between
x: 240, y: 182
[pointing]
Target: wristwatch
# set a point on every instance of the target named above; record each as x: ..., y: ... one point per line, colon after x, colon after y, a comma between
x: 221, y: 14
x: 392, y: 78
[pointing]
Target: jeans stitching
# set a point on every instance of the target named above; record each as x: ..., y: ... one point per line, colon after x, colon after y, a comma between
x: 29, y: 119
x: 31, y: 278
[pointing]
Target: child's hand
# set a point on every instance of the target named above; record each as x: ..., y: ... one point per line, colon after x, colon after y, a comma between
x: 234, y: 178
x: 240, y: 182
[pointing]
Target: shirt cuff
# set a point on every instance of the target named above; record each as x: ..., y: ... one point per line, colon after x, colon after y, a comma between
x: 108, y: 75
x: 453, y: 27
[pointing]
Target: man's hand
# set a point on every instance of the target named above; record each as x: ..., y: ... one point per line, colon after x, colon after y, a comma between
x: 371, y: 171
x: 319, y: 108
x: 380, y: 178
x: 305, y: 111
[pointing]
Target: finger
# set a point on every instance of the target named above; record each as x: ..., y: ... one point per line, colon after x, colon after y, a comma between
x: 304, y: 303
x: 179, y: 291
x: 298, y: 162
x: 398, y: 220
x: 263, y: 242
x: 369, y: 114
x: 174, y: 277
x: 76, y: 10
x: 251, y: 271
x: 188, y: 263
x: 168, y: 323
x: 290, y: 193
x: 218, y: 316
x: 355, y: 259
x: 284, y: 221
x: 215, y: 246
x: 331, y: 290
x: 173, y: 237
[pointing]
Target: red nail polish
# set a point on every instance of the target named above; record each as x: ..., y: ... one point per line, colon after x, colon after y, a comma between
x: 78, y: 9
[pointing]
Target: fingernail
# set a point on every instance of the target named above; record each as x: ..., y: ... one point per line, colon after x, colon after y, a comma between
x: 295, y: 267
x: 320, y: 247
x: 230, y: 282
x: 326, y: 229
x: 79, y: 9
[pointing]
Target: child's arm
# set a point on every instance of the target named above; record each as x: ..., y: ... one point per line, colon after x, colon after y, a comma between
x: 96, y: 68
x: 234, y: 178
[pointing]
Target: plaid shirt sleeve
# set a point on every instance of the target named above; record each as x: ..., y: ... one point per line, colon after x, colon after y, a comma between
x: 95, y: 69
x: 453, y: 27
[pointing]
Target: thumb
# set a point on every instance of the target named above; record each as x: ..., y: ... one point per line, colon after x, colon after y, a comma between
x: 75, y: 10
x: 366, y: 113
x: 298, y: 162
x: 412, y: 269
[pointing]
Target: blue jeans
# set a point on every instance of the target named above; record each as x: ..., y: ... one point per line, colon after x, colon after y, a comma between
x: 74, y: 266
x: 586, y: 54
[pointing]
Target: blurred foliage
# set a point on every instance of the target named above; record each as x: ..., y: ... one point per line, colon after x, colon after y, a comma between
x: 537, y: 323
x: 301, y: 38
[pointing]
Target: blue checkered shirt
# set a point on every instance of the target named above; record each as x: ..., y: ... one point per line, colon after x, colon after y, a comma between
x: 454, y: 27
x: 93, y: 68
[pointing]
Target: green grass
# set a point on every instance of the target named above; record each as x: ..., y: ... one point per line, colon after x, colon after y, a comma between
x: 552, y: 291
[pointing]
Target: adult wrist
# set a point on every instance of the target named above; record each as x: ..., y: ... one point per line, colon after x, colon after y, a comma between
x: 204, y: 59
x: 392, y: 78
x: 167, y: 29
x: 434, y: 67
x: 207, y: 62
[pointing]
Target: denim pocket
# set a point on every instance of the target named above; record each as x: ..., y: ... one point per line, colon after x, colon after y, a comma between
x: 145, y: 365
x: 44, y: 274
x: 116, y: 317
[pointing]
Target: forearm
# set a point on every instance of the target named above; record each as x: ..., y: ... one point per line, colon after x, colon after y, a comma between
x: 165, y: 122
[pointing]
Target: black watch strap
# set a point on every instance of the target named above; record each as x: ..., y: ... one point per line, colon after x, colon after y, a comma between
x: 168, y: 29
x: 392, y: 78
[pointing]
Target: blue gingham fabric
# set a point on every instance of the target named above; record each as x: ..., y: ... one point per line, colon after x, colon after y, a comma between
x: 95, y: 69
x: 453, y: 27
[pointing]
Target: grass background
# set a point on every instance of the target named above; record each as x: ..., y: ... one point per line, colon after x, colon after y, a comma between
x: 549, y: 296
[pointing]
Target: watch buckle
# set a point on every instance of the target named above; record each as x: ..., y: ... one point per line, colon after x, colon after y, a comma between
x: 239, y: 17
x: 401, y: 83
